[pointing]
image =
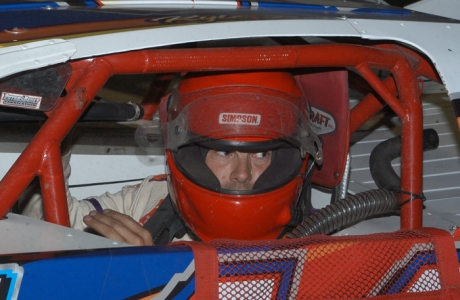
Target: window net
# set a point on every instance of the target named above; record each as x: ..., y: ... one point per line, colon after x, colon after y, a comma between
x: 324, y: 267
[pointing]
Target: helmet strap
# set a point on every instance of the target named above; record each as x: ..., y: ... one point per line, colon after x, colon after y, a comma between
x: 304, y: 203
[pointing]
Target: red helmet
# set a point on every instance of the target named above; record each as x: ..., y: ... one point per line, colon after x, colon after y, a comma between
x: 245, y: 112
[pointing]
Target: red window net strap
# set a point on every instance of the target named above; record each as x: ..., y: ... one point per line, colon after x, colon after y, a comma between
x: 407, y: 264
x: 447, y: 257
x: 206, y: 275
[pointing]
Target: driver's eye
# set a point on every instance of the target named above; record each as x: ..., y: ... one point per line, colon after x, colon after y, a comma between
x: 261, y: 154
x: 222, y: 157
x: 223, y: 153
x: 260, y: 158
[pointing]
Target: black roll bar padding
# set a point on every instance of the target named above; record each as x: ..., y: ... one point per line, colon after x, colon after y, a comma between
x: 105, y: 110
x: 380, y: 159
x: 102, y: 110
x: 16, y: 115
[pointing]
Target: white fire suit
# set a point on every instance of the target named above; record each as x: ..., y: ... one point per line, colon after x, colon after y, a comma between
x: 138, y: 201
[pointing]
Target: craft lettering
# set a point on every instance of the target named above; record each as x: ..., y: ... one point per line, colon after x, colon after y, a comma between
x: 319, y: 118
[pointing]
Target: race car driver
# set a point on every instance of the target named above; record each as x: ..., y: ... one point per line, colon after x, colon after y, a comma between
x: 238, y: 148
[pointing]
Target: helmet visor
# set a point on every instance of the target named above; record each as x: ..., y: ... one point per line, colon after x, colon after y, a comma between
x: 244, y: 117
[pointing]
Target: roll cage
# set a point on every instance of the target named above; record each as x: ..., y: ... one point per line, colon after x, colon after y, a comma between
x: 401, y: 91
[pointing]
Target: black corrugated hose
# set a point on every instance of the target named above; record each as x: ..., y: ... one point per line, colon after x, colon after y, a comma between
x: 347, y: 211
x: 355, y: 208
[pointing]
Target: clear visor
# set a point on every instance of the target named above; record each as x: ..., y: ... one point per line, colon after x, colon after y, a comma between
x: 240, y: 117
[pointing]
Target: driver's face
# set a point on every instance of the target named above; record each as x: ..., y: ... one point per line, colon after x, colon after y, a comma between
x: 238, y: 170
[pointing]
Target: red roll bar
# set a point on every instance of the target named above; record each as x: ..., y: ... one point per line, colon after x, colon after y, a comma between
x: 42, y: 157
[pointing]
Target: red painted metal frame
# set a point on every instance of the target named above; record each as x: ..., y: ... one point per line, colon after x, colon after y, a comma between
x: 41, y: 157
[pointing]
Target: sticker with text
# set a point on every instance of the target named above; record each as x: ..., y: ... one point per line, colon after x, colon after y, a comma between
x: 20, y: 100
x: 241, y: 119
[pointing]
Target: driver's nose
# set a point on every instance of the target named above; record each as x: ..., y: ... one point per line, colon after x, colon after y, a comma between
x: 242, y: 171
